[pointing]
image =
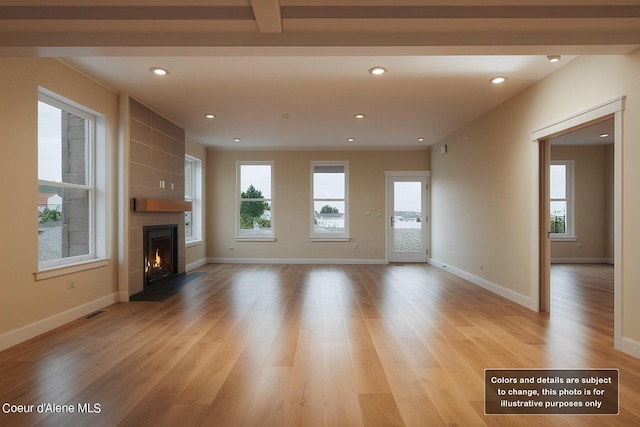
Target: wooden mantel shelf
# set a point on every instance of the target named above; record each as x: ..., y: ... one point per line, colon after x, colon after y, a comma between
x: 160, y: 205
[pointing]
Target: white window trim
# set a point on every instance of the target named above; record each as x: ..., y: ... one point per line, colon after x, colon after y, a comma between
x: 70, y: 269
x: 569, y: 235
x: 97, y: 184
x: 248, y: 237
x: 343, y: 237
x: 196, y: 202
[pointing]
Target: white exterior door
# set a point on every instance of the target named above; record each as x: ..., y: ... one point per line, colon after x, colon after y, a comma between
x: 407, y: 216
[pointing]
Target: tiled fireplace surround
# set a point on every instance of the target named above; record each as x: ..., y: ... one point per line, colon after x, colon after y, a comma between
x: 156, y: 170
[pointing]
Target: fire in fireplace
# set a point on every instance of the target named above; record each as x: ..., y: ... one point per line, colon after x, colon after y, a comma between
x: 161, y: 253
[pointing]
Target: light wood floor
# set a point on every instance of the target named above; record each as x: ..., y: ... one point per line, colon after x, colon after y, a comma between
x: 301, y: 345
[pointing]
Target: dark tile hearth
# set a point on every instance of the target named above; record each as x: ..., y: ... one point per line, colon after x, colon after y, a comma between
x: 162, y: 291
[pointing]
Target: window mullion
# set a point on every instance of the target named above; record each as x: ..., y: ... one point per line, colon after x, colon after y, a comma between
x: 65, y: 185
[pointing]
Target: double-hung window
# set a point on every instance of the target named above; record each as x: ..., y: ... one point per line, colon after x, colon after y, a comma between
x: 561, y: 191
x: 329, y: 202
x: 67, y: 191
x: 193, y: 194
x: 255, y: 201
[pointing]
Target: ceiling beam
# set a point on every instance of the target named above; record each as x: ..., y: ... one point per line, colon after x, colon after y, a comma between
x: 459, y: 12
x: 126, y: 13
x: 268, y: 16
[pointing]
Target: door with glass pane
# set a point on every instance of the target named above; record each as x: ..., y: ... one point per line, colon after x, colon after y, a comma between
x: 407, y: 219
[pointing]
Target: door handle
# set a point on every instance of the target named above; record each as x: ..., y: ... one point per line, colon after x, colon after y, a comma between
x: 392, y: 221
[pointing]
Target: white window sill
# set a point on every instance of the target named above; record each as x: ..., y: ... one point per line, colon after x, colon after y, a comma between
x: 190, y: 243
x: 70, y: 269
x: 255, y: 239
x: 330, y: 239
x: 564, y: 238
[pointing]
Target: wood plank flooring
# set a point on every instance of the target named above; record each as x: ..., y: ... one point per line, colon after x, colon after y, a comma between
x: 317, y: 345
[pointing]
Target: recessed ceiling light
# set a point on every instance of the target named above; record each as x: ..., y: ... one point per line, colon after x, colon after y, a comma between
x: 377, y: 71
x: 420, y: 139
x: 553, y: 58
x: 210, y: 116
x: 359, y: 116
x: 604, y: 135
x: 159, y: 71
x: 499, y: 79
x: 236, y: 139
x: 351, y: 139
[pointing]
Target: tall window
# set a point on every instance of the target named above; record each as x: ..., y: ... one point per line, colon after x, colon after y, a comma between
x: 193, y: 194
x: 329, y: 205
x: 66, y: 182
x: 255, y: 201
x: 561, y: 200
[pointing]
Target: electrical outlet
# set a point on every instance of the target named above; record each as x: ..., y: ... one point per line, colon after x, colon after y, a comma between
x: 355, y: 246
x: 71, y: 283
x: 481, y: 266
x: 230, y: 248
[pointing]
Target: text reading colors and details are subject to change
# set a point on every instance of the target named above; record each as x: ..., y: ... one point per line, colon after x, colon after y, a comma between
x: 551, y: 391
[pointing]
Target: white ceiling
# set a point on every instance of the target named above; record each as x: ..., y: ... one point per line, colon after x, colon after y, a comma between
x: 592, y: 134
x: 420, y: 97
x: 291, y: 74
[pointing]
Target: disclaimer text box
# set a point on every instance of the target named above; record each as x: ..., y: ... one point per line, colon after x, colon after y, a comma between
x: 551, y: 391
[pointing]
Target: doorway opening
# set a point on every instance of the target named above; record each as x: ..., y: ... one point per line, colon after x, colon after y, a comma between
x: 542, y: 223
x: 581, y: 225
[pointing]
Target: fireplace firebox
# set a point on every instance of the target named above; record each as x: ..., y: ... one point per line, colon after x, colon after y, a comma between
x: 160, y: 253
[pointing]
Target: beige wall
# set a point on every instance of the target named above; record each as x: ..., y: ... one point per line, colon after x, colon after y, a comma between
x: 196, y: 253
x: 291, y: 203
x: 25, y: 301
x: 593, y: 183
x: 481, y: 189
x: 629, y: 70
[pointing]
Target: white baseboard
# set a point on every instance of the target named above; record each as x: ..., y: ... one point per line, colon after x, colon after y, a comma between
x: 193, y: 265
x: 582, y: 261
x: 24, y: 333
x: 516, y: 297
x: 293, y: 261
x: 631, y: 347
